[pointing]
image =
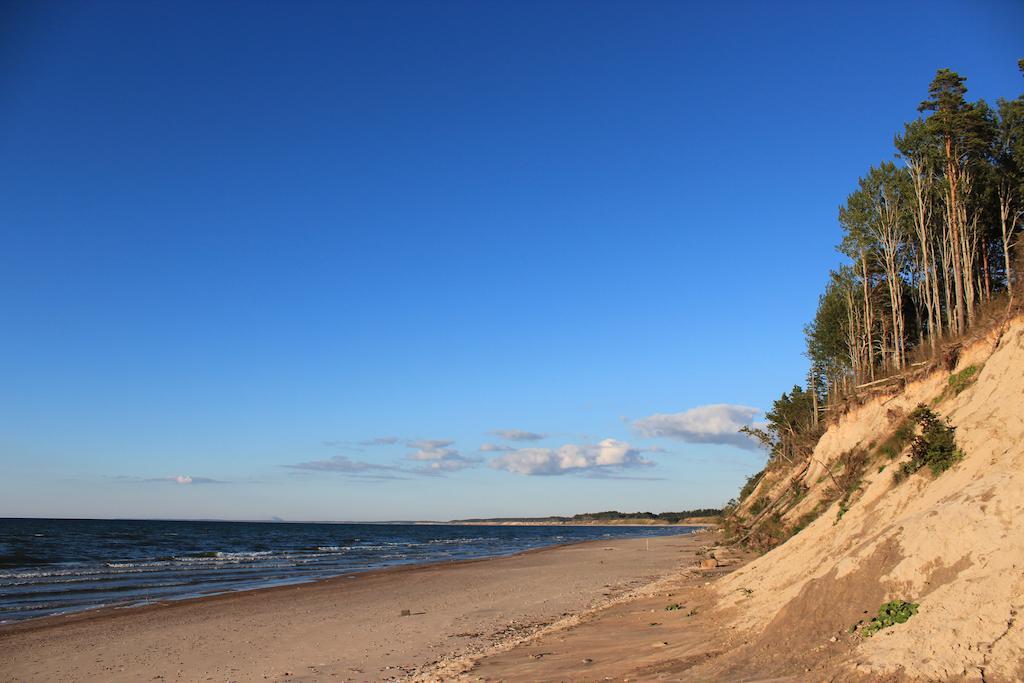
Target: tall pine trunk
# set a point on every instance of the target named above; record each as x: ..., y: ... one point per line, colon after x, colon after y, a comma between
x: 952, y: 219
x: 868, y: 317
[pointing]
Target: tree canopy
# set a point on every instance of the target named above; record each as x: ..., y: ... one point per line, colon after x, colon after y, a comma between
x: 930, y: 235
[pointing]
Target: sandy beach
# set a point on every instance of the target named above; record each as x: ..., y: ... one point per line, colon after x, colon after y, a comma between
x: 427, y: 621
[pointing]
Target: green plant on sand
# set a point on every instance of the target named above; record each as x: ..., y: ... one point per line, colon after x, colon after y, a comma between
x: 935, y: 446
x: 889, y: 614
x: 898, y: 440
x: 849, y: 478
x: 963, y: 379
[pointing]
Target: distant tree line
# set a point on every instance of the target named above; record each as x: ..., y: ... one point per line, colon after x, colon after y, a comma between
x: 610, y: 515
x: 932, y: 238
x: 670, y: 517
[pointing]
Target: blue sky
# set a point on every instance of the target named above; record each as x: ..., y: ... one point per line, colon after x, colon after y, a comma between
x: 240, y: 242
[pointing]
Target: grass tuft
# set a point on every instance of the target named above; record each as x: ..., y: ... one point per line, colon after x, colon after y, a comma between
x: 959, y: 381
x: 759, y: 505
x: 898, y: 440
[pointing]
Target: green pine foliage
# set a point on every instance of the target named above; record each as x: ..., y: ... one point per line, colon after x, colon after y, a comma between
x: 934, y: 447
x: 906, y: 285
x: 929, y: 237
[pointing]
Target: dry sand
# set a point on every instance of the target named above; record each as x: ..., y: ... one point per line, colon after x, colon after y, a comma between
x: 658, y: 633
x: 348, y: 628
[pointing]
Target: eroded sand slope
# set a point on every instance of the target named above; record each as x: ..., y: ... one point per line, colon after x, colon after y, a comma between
x: 953, y: 543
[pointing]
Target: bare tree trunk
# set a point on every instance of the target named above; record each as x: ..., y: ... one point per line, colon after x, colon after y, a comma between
x: 952, y: 218
x: 968, y: 248
x: 868, y: 318
x: 853, y: 335
x: 1006, y: 227
x: 921, y: 181
x: 947, y: 279
x: 987, y: 283
x: 814, y: 396
x: 887, y: 233
x: 936, y: 331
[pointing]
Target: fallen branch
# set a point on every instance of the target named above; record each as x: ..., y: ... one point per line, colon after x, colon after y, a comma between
x: 879, y: 381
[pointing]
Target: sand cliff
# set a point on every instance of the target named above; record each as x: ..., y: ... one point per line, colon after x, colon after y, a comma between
x: 954, y: 543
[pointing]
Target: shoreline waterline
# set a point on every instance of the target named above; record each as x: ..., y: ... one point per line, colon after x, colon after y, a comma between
x: 58, y: 567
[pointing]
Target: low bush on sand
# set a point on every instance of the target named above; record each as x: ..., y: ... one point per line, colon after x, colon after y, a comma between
x: 889, y: 614
x: 935, y: 447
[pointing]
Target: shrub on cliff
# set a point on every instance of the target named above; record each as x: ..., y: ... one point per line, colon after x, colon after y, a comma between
x: 935, y: 447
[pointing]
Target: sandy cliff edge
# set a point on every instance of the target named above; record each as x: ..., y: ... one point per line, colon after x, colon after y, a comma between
x: 953, y: 543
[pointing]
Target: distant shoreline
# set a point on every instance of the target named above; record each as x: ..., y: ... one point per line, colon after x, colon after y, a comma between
x: 497, y: 521
x: 603, y: 522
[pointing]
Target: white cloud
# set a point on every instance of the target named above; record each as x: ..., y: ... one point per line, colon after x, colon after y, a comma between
x: 571, y: 458
x: 718, y: 423
x: 517, y: 435
x: 453, y: 464
x: 380, y: 441
x: 341, y: 463
x: 433, y: 454
x: 182, y: 479
x: 495, y: 448
x: 441, y: 459
x: 429, y: 444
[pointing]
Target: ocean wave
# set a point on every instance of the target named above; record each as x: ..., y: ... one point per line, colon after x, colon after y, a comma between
x: 458, y: 541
